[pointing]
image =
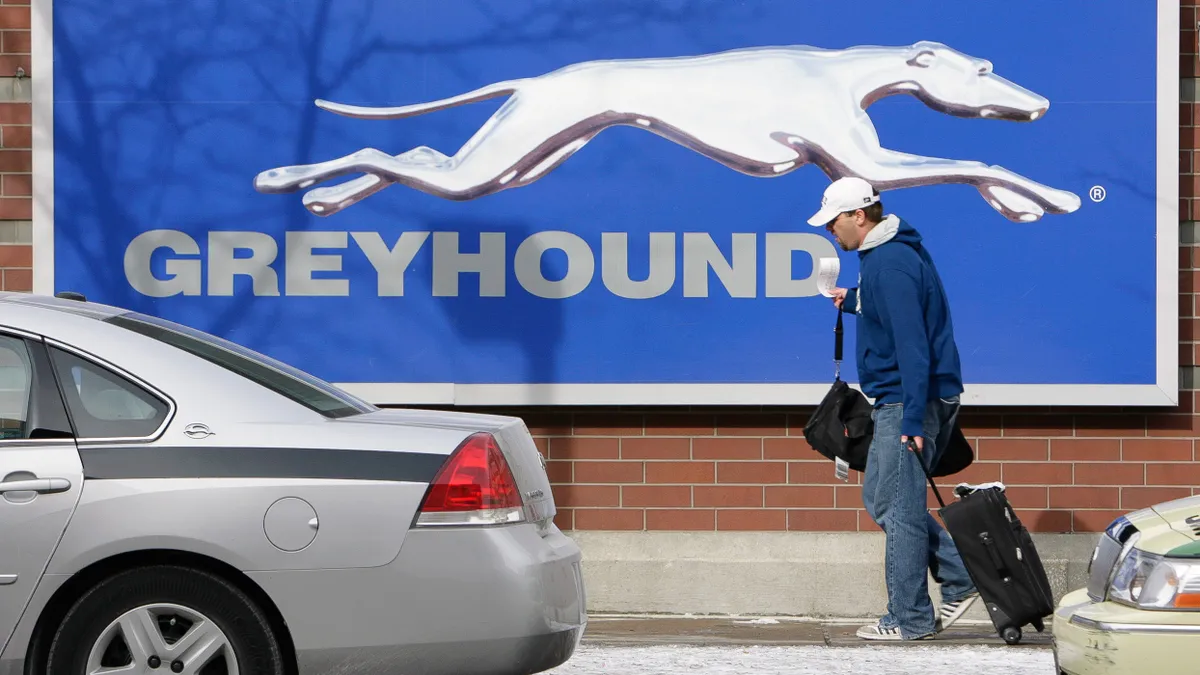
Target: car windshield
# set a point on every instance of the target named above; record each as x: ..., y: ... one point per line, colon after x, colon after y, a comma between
x: 309, y: 391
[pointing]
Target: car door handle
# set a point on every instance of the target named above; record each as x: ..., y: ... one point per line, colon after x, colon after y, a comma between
x: 42, y: 485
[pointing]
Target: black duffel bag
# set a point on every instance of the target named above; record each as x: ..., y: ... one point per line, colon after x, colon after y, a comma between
x: 841, y: 427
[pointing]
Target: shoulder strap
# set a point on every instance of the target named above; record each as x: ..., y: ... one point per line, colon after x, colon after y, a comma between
x: 837, y: 346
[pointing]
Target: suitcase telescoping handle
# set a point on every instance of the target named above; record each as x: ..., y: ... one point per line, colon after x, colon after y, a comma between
x: 912, y: 445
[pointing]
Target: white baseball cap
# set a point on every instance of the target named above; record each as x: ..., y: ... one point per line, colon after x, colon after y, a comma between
x: 844, y: 194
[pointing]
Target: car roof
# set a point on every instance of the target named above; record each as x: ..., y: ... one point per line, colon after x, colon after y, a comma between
x: 91, y: 327
x: 93, y: 310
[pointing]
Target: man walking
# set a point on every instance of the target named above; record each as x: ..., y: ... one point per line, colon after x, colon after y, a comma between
x: 908, y: 364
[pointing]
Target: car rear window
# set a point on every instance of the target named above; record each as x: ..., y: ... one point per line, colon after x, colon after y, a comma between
x: 281, y: 378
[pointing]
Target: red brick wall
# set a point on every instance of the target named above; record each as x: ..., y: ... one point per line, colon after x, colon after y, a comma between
x: 16, y: 162
x: 1069, y: 470
x: 1189, y: 181
x: 730, y: 469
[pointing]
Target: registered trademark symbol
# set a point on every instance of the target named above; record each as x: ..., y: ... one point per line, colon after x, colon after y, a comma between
x: 1098, y: 193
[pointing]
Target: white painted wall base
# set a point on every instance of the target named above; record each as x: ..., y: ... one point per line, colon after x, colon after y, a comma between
x: 815, y: 574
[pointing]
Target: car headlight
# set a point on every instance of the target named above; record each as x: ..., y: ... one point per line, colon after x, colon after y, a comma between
x: 1149, y: 581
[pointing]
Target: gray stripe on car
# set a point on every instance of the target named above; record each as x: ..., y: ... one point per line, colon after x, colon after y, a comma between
x: 157, y: 461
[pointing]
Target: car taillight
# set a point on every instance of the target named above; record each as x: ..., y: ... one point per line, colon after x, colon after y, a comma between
x: 474, y: 487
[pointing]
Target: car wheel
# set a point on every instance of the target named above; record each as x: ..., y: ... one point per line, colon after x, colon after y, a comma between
x: 168, y: 619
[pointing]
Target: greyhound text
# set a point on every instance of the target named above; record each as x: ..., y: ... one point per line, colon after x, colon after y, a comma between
x: 163, y: 263
x: 763, y: 111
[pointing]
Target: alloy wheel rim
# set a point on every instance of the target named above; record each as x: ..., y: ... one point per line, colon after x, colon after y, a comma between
x: 163, y: 639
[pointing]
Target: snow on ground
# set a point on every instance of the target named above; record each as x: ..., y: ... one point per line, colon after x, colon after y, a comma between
x: 805, y: 660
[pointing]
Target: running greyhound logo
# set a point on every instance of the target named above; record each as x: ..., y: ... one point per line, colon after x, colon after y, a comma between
x: 763, y: 111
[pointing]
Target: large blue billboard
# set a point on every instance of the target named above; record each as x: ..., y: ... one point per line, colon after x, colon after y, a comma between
x: 604, y: 201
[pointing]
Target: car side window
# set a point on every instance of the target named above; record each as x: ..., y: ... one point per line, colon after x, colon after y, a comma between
x: 104, y: 404
x: 16, y: 380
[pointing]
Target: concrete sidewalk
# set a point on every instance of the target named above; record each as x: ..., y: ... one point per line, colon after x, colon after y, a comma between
x: 624, y: 629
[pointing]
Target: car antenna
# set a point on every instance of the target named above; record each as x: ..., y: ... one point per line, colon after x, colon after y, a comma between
x: 70, y: 295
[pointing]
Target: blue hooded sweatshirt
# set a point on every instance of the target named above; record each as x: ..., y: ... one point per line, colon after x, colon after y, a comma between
x: 905, y: 339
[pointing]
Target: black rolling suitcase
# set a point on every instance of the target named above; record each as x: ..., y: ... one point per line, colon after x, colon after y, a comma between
x: 999, y: 555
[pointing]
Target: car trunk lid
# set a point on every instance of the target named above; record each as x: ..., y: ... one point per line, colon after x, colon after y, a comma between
x: 511, y: 434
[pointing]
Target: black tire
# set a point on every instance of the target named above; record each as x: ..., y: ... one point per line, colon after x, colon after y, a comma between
x: 1011, y: 635
x: 244, y: 624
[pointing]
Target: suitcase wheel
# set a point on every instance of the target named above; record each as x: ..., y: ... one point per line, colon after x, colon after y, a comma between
x: 1011, y: 635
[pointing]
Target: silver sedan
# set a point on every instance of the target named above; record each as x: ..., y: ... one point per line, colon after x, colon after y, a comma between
x: 171, y: 502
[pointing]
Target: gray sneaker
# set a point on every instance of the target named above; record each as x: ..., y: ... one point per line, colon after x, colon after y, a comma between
x: 878, y: 632
x: 949, y: 612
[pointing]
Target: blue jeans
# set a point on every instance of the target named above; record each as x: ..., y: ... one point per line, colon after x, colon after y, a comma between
x: 894, y: 494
